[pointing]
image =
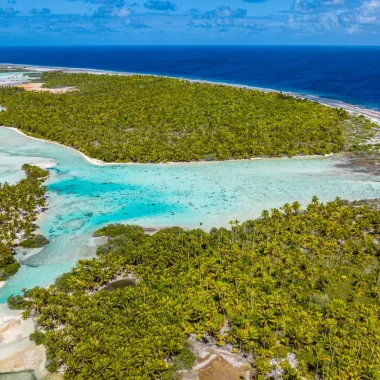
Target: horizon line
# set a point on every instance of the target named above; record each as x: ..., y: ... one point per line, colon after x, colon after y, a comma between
x: 189, y: 45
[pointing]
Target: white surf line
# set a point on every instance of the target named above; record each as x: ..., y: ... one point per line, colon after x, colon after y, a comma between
x: 372, y: 115
x: 325, y: 101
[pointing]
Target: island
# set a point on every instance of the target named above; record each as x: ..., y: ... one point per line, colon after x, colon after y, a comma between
x: 294, y: 293
x: 20, y: 205
x: 119, y: 118
x: 291, y: 294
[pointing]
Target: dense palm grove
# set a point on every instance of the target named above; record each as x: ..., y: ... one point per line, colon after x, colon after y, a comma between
x: 19, y: 206
x: 300, y: 282
x: 155, y: 119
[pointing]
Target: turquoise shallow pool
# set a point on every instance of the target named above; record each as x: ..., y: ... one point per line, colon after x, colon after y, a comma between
x: 12, y: 78
x: 84, y: 197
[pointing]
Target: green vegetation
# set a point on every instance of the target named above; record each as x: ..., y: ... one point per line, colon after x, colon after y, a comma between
x: 8, y: 265
x: 34, y: 173
x: 300, y: 282
x: 358, y: 130
x: 154, y: 119
x: 36, y: 241
x: 17, y: 303
x: 19, y: 206
x: 183, y: 361
x: 10, y: 69
x: 35, y: 74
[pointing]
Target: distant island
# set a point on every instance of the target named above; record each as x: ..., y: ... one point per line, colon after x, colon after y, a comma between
x: 153, y: 119
x: 10, y: 69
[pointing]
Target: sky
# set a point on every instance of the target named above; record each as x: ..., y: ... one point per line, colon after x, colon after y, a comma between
x: 189, y: 22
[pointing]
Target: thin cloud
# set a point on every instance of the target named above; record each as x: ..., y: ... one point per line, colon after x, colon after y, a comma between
x: 40, y: 12
x: 115, y: 3
x: 8, y: 13
x: 160, y: 5
x: 224, y: 12
x: 112, y: 11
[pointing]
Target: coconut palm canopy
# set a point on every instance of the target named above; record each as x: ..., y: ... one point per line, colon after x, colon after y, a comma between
x: 292, y: 281
x: 19, y: 205
x: 156, y: 119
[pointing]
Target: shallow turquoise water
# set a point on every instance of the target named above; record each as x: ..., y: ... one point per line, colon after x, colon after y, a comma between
x: 13, y: 77
x: 26, y: 375
x: 84, y: 197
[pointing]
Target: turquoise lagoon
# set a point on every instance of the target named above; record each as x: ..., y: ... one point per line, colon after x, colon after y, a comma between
x: 83, y: 197
x: 12, y: 78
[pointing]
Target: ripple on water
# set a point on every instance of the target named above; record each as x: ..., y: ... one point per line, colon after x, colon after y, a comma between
x: 84, y: 197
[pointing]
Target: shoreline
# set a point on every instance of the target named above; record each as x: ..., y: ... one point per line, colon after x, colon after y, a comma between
x: 97, y: 162
x: 371, y: 115
x: 17, y: 352
x: 357, y: 109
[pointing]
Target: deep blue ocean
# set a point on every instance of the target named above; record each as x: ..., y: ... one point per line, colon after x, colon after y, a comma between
x: 350, y: 74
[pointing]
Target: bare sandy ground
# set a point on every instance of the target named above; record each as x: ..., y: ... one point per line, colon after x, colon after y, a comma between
x: 217, y: 363
x: 46, y: 165
x: 11, y: 330
x: 17, y: 352
x: 31, y: 358
x: 217, y: 368
x: 38, y: 87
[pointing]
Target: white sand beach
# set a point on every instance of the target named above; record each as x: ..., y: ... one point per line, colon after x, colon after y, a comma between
x: 17, y: 352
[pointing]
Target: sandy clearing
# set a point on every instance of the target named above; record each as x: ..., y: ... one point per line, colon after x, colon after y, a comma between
x: 32, y: 358
x: 11, y: 330
x: 38, y: 87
